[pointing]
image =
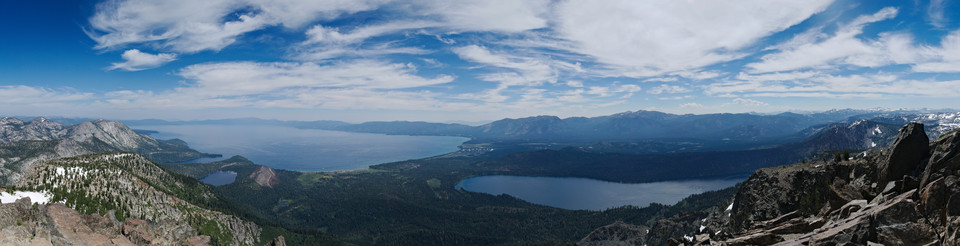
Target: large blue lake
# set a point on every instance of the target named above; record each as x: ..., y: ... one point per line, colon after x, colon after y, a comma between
x: 305, y: 149
x: 591, y: 194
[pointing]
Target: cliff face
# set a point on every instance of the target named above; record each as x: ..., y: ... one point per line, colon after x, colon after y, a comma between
x: 154, y: 205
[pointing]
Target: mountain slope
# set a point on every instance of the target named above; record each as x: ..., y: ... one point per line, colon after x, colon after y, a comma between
x: 13, y: 129
x: 131, y: 188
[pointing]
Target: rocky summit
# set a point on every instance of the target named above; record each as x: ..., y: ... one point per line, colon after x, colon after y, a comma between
x: 898, y: 195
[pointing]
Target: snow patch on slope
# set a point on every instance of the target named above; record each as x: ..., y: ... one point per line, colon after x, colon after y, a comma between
x: 35, y: 197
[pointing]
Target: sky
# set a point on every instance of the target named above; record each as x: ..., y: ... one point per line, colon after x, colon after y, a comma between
x: 450, y: 61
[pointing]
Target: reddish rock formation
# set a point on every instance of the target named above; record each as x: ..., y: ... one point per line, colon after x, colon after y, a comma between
x: 265, y: 176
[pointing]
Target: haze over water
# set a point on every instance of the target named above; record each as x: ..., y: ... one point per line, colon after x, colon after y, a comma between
x: 305, y: 149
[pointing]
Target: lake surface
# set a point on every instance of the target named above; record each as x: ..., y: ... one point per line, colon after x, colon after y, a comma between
x: 305, y: 149
x: 592, y: 194
x: 219, y: 178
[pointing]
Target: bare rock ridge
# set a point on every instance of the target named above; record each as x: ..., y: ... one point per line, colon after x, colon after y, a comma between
x: 265, y: 176
x: 13, y: 129
x: 618, y: 233
x: 944, y: 160
x: 56, y: 224
x: 279, y: 241
x: 112, y: 133
x: 901, y: 195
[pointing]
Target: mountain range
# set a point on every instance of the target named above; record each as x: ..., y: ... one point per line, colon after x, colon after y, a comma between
x: 109, y: 182
x: 23, y: 143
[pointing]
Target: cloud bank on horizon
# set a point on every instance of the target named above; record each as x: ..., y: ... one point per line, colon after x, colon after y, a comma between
x: 487, y: 59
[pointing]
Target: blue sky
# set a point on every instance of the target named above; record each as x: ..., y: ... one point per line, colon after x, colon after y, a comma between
x: 437, y: 60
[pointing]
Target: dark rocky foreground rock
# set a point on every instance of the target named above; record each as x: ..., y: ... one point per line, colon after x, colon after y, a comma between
x: 55, y: 224
x: 906, y: 194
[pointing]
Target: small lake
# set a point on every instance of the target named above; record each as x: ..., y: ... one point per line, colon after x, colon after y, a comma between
x: 219, y: 178
x: 304, y: 149
x: 592, y: 194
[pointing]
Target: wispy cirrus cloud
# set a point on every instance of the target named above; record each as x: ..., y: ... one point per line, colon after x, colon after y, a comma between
x: 670, y: 89
x: 21, y: 94
x: 289, y: 84
x: 935, y: 13
x: 844, y: 47
x: 192, y: 26
x: 655, y: 37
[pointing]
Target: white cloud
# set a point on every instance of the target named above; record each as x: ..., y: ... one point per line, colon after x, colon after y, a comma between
x: 540, y: 54
x: 943, y: 59
x: 489, y: 15
x: 574, y: 83
x: 573, y: 96
x: 935, y: 13
x: 136, y: 60
x: 246, y: 77
x: 319, y: 34
x: 361, y: 99
x: 674, y: 98
x: 189, y: 26
x: 599, y: 91
x: 831, y: 86
x: 748, y: 102
x: 625, y: 90
x: 662, y: 79
x: 296, y: 13
x: 364, y: 84
x: 21, y: 94
x: 818, y: 50
x: 529, y: 71
x: 668, y: 89
x: 646, y: 38
x: 489, y: 96
x: 320, y: 53
x: 698, y: 75
x: 777, y: 76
